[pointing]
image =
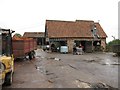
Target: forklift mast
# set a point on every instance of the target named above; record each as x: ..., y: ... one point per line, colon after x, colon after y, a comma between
x: 6, y: 42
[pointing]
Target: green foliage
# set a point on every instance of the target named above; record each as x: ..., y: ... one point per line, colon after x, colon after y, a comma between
x: 17, y: 35
x: 114, y: 42
x: 111, y: 43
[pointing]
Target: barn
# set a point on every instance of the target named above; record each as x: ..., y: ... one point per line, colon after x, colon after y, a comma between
x: 39, y: 36
x: 88, y: 33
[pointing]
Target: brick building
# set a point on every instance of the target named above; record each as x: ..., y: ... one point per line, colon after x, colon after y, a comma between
x: 39, y: 36
x: 88, y: 33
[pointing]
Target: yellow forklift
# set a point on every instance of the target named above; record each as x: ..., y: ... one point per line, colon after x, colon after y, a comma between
x: 6, y: 57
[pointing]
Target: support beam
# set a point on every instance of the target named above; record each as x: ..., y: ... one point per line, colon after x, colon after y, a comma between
x: 70, y: 43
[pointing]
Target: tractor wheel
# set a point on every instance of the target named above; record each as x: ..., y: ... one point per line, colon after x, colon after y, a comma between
x: 33, y: 54
x: 30, y: 56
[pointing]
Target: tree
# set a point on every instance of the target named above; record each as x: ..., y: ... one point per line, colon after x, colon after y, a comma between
x: 17, y: 35
x: 114, y: 42
x: 111, y: 43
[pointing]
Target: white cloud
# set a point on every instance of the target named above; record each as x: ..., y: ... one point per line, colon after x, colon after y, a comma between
x: 30, y: 15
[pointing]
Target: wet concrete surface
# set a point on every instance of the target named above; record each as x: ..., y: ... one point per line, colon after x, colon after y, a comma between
x: 55, y: 70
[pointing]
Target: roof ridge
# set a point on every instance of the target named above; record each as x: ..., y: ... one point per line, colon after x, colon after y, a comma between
x: 70, y: 21
x: 34, y: 32
x: 59, y: 21
x: 84, y: 21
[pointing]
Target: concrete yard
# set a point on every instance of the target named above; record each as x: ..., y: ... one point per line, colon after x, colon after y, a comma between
x: 55, y: 70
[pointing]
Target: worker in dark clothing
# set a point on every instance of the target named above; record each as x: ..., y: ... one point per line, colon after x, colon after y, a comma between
x: 74, y: 49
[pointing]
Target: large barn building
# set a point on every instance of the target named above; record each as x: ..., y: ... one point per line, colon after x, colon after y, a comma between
x: 89, y: 34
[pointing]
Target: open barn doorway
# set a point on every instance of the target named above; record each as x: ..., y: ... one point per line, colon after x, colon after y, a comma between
x: 55, y: 45
x: 97, y: 45
x: 87, y: 45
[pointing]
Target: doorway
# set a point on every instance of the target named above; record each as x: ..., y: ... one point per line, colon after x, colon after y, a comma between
x: 87, y: 45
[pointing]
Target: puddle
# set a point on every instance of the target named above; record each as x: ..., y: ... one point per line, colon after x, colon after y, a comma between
x: 115, y: 64
x: 91, y: 60
x: 57, y: 59
x: 54, y: 58
x: 103, y: 86
x: 40, y: 57
x: 109, y: 62
x: 82, y: 84
x: 102, y: 62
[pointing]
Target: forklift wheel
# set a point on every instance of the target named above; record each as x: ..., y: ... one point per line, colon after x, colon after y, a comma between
x: 8, y: 79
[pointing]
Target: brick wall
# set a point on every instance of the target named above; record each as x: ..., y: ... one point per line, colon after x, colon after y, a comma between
x: 103, y: 43
x: 70, y: 43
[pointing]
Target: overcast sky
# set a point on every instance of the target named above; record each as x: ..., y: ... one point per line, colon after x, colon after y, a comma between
x: 30, y: 15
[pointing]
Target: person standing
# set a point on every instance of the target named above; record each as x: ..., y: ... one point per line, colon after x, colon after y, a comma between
x: 81, y: 49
